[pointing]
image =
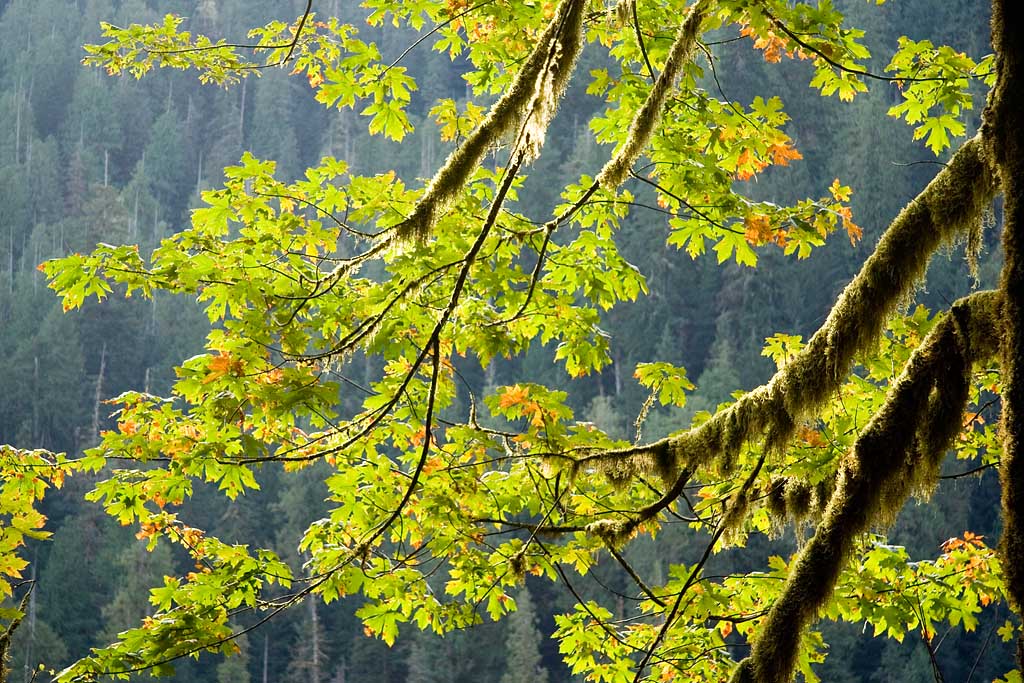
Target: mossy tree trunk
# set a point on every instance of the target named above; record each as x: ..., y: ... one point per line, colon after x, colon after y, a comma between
x: 1004, y: 134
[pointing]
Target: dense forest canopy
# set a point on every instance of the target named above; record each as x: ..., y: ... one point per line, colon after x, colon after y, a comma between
x: 467, y: 327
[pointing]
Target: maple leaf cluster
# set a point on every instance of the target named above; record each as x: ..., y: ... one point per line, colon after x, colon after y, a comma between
x: 772, y: 45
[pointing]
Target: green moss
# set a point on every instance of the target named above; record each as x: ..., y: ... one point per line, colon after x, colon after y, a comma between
x: 646, y: 119
x: 775, y: 501
x: 799, y: 499
x: 736, y: 513
x: 875, y: 480
x: 526, y: 108
x: 1003, y: 128
x: 517, y: 565
x: 954, y: 201
x: 665, y: 465
x: 614, y: 532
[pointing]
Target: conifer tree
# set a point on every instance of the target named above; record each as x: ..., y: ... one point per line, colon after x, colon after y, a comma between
x: 522, y: 645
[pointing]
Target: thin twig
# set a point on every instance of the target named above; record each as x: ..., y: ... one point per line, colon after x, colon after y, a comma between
x: 432, y: 31
x: 640, y: 40
x: 636, y: 577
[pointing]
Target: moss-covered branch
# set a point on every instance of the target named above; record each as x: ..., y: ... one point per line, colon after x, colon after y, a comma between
x: 647, y: 118
x: 525, y: 109
x: 946, y: 209
x: 899, y: 451
x: 1003, y: 130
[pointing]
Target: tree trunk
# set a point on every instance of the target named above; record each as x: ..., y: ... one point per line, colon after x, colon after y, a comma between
x: 1004, y: 133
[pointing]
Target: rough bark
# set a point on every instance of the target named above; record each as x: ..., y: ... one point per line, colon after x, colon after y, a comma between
x: 1004, y: 135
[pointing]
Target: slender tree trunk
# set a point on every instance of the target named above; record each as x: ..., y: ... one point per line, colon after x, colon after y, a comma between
x: 266, y: 652
x: 199, y: 173
x: 1004, y: 133
x: 314, y: 619
x: 17, y: 123
x: 98, y: 397
x: 241, y: 116
x: 35, y: 404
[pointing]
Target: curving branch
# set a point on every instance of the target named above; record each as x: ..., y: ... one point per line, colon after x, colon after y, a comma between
x: 945, y: 210
x: 646, y: 119
x: 899, y: 451
x: 527, y: 106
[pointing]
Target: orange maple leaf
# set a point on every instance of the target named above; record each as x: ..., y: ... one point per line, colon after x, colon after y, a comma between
x: 218, y: 366
x: 758, y: 229
x: 432, y: 465
x: 840, y: 192
x: 536, y: 413
x: 811, y: 437
x: 783, y: 152
x: 513, y: 396
x: 747, y: 165
x: 854, y: 231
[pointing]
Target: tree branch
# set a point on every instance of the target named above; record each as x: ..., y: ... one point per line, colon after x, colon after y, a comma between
x: 953, y: 201
x: 900, y: 450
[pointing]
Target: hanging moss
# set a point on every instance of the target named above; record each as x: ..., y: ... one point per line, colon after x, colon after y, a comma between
x: 526, y: 108
x: 799, y: 499
x: 614, y: 532
x: 791, y: 499
x: 775, y: 501
x: 946, y: 209
x: 876, y: 479
x: 665, y: 466
x: 649, y: 114
x: 517, y: 565
x: 735, y: 514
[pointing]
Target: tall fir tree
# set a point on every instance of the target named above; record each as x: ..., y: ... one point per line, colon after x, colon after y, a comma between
x: 523, y: 662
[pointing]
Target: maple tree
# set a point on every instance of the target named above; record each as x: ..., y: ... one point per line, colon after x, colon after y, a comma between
x: 298, y: 278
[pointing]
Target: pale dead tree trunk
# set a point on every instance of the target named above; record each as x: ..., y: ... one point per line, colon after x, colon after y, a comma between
x: 98, y: 396
x: 35, y: 403
x: 10, y: 259
x: 135, y: 214
x: 266, y: 658
x: 315, y: 654
x: 241, y: 115
x: 17, y: 123
x: 199, y: 174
